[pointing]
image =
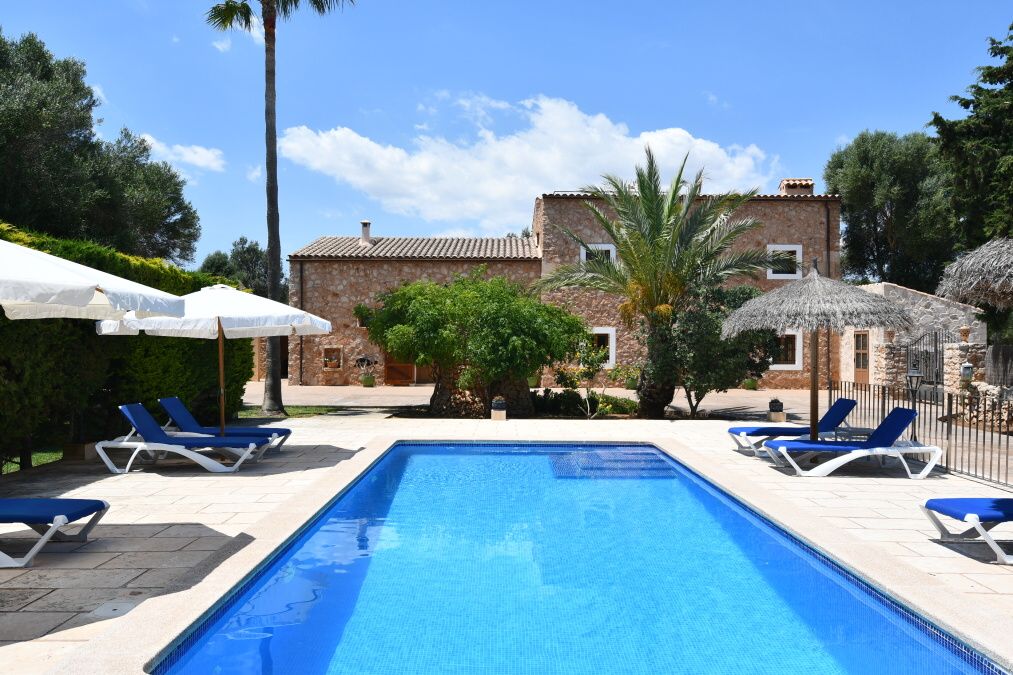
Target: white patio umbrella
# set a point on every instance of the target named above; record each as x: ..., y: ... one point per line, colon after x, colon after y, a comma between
x: 36, y: 285
x: 221, y: 312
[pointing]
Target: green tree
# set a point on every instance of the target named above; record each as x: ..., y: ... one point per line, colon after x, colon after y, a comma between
x: 232, y: 14
x: 707, y: 363
x: 245, y: 263
x: 57, y: 177
x: 979, y: 148
x: 895, y: 201
x: 668, y: 245
x: 486, y: 336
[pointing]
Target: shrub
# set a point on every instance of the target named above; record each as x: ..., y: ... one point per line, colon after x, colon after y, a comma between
x: 569, y: 403
x: 751, y: 383
x: 61, y: 382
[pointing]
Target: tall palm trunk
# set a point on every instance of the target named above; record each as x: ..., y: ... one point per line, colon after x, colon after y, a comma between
x: 272, y: 378
x: 657, y: 378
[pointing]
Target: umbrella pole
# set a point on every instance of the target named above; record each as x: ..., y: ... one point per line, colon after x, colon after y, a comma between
x: 221, y: 378
x: 814, y: 385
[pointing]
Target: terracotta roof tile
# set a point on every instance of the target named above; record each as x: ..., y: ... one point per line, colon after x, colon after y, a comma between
x: 577, y: 194
x: 421, y: 248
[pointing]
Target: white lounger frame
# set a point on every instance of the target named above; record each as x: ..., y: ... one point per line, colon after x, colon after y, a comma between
x: 152, y: 452
x: 743, y: 442
x: 51, y: 532
x: 977, y: 529
x: 896, y: 451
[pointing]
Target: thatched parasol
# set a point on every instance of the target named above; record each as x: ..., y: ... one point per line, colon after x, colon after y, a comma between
x: 812, y: 304
x: 982, y: 277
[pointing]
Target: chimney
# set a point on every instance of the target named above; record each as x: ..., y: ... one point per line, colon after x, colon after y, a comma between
x: 364, y: 239
x: 795, y: 186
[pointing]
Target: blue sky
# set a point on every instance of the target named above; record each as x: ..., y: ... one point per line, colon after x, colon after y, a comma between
x: 451, y: 116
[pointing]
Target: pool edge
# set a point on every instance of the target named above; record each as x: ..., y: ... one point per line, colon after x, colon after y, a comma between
x: 145, y: 627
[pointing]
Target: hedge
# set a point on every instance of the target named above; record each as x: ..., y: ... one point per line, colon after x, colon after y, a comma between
x: 60, y: 382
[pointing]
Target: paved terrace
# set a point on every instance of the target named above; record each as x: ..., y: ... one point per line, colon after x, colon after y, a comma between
x: 175, y: 538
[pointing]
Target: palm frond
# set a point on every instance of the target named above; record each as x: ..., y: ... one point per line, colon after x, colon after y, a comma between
x: 287, y: 7
x: 230, y: 14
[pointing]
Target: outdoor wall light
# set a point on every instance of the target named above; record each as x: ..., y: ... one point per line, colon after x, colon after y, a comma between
x: 966, y: 370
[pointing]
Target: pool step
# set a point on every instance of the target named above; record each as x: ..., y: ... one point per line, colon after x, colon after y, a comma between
x: 611, y: 464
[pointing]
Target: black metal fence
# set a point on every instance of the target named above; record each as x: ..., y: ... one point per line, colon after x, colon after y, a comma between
x: 974, y: 430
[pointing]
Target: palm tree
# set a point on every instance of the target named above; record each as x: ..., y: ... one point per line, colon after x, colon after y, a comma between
x: 668, y: 244
x: 239, y: 14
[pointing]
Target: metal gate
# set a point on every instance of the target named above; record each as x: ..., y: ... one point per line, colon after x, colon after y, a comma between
x: 925, y: 356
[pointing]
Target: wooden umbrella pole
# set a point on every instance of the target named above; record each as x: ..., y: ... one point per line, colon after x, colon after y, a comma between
x: 221, y: 378
x: 814, y: 384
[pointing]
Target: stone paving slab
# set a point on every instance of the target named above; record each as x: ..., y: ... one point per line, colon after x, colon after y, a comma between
x: 158, y: 549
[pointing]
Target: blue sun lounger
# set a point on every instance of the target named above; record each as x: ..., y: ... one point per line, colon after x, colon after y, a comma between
x: 152, y: 443
x: 884, y: 442
x: 47, y: 516
x: 981, y: 513
x: 832, y: 419
x: 180, y: 415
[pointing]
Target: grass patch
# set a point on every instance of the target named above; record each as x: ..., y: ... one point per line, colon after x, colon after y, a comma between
x: 254, y: 412
x: 39, y: 457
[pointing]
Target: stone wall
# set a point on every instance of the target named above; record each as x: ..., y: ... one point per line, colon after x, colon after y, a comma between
x: 785, y: 221
x: 332, y: 288
x: 887, y: 364
x: 954, y: 356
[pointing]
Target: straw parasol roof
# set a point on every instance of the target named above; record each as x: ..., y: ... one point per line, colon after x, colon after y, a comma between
x: 982, y: 277
x: 815, y: 303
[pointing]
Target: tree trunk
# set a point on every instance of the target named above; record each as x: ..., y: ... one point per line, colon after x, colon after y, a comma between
x: 450, y: 401
x: 272, y: 377
x: 517, y: 394
x: 657, y: 378
x: 694, y: 403
x: 25, y: 456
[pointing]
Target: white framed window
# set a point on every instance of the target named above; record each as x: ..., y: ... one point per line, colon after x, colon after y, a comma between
x: 605, y: 337
x: 607, y: 251
x: 788, y: 270
x: 789, y: 353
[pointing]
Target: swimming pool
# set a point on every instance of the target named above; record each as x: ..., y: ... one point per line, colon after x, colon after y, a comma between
x: 554, y: 558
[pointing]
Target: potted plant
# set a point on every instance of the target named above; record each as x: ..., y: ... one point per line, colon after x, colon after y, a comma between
x: 366, y: 366
x: 776, y: 410
x: 499, y: 407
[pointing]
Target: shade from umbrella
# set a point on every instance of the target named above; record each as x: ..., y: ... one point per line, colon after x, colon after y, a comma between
x: 982, y: 277
x: 221, y: 312
x: 36, y: 285
x: 811, y: 304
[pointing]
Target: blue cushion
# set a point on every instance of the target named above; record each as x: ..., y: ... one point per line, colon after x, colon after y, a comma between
x: 187, y: 422
x: 40, y: 511
x: 831, y: 419
x: 817, y: 446
x: 769, y: 431
x: 988, y: 510
x: 262, y: 432
x: 148, y: 428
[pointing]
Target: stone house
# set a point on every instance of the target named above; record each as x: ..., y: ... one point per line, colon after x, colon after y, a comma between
x: 879, y: 356
x: 333, y: 274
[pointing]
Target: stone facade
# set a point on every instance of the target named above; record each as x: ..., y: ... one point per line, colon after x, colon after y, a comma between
x: 332, y: 289
x: 333, y: 274
x: 803, y: 220
x: 930, y: 314
x: 955, y: 355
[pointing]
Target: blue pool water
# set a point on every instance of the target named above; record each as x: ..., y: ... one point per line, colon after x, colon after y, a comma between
x: 538, y: 558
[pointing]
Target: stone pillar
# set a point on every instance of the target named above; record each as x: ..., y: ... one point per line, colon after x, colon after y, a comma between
x: 889, y: 365
x: 954, y: 357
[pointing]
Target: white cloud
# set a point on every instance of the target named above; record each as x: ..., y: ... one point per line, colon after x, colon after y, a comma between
x: 211, y: 159
x: 493, y: 179
x: 715, y: 102
x: 842, y: 140
x: 456, y: 232
x: 223, y: 45
x: 100, y: 93
x: 253, y: 173
x: 175, y: 39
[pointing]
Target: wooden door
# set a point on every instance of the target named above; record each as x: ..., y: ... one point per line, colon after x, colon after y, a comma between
x: 397, y: 374
x: 862, y: 357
